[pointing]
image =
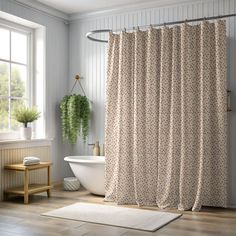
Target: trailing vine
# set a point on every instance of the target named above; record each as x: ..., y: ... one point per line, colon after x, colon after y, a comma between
x: 75, y: 115
x: 85, y: 115
x: 64, y: 117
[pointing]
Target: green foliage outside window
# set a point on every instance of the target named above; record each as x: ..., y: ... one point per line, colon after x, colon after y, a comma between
x: 17, y: 90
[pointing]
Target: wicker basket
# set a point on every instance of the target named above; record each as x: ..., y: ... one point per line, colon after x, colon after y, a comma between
x: 71, y: 184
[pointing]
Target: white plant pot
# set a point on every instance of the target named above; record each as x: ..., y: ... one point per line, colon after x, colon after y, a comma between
x: 26, y: 133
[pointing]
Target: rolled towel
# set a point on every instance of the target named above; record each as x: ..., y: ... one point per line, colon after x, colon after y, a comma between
x: 31, y: 161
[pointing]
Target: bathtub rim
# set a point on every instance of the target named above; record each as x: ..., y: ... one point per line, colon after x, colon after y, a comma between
x: 82, y: 159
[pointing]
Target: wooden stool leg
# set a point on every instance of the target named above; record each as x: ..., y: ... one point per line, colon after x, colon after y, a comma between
x: 26, y: 187
x: 49, y: 181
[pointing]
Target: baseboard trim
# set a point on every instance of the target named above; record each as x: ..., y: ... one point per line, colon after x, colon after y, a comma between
x: 231, y: 206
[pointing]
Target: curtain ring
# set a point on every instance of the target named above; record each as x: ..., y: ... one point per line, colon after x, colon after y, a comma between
x: 138, y: 28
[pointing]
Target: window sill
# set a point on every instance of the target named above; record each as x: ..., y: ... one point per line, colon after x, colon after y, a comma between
x: 20, y: 143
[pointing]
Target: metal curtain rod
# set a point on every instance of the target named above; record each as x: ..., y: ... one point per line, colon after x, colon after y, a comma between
x: 90, y: 33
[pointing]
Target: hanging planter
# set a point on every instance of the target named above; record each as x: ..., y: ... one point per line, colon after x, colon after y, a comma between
x: 75, y: 115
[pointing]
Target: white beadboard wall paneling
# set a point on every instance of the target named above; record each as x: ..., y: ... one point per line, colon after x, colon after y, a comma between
x: 57, y: 68
x: 89, y: 58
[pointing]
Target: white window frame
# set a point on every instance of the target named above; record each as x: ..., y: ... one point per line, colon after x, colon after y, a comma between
x: 14, y: 27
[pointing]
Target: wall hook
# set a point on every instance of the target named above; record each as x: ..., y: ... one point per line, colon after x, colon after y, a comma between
x: 77, y: 79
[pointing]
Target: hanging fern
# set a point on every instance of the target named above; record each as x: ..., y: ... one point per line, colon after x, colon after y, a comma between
x: 75, y: 115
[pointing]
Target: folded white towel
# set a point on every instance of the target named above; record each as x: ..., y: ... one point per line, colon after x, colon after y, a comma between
x: 31, y: 160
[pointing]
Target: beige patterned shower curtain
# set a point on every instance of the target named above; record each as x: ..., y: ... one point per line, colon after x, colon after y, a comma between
x: 166, y: 117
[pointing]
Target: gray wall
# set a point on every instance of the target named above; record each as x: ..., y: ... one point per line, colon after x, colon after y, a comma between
x: 57, y: 57
x: 88, y: 58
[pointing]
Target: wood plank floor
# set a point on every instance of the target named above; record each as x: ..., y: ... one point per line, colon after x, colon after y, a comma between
x: 25, y: 220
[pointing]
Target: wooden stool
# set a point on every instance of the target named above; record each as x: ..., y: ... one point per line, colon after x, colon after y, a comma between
x: 28, y: 189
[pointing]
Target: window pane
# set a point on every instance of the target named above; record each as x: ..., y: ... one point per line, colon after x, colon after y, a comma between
x: 4, y: 121
x: 19, y: 47
x: 4, y: 78
x: 16, y: 103
x: 18, y: 80
x: 4, y: 44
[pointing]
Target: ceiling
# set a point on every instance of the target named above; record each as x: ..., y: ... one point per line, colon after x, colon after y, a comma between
x: 82, y: 6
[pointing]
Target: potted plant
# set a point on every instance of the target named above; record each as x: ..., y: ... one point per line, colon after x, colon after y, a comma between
x: 26, y: 115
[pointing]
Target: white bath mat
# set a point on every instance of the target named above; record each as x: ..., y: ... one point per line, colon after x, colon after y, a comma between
x: 117, y: 216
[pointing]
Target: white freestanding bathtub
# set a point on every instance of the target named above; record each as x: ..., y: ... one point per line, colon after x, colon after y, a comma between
x: 90, y: 171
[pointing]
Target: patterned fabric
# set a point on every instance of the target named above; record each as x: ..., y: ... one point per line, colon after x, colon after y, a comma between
x: 166, y: 117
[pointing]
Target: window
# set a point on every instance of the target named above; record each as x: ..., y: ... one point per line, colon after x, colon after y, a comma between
x: 22, y: 73
x: 15, y: 74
